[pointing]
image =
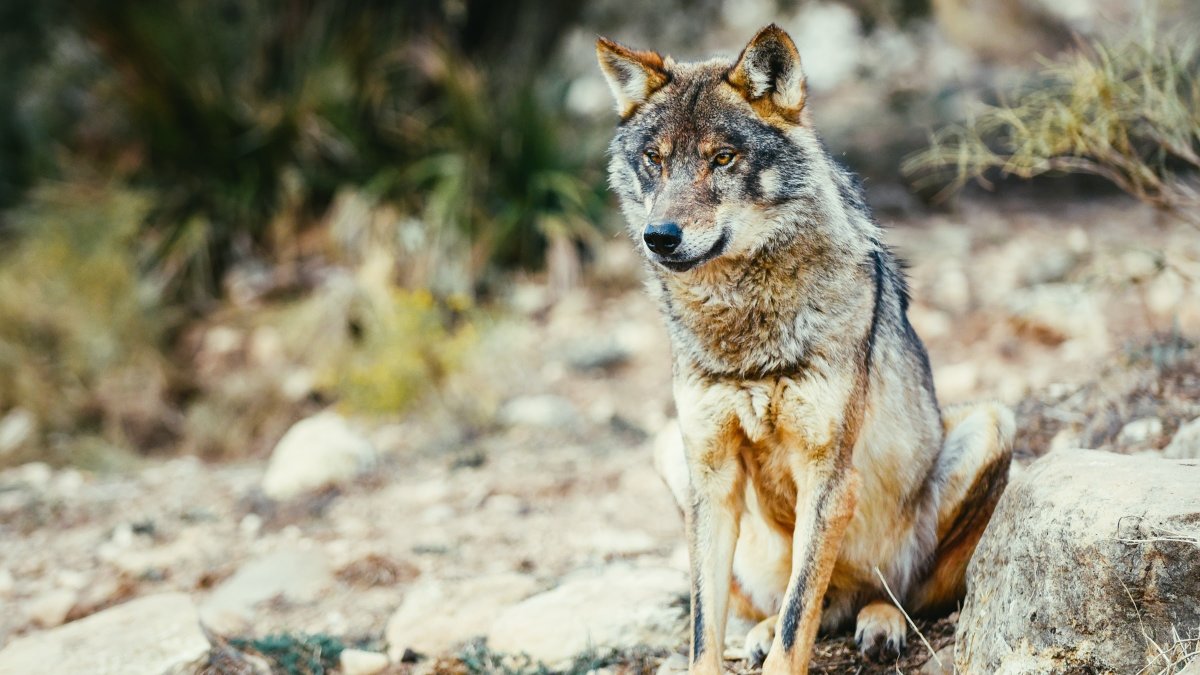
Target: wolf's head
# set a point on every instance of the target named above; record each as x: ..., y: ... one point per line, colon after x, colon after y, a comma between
x: 711, y: 160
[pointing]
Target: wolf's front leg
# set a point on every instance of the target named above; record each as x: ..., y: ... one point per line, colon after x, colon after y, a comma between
x: 824, y: 504
x: 717, y: 482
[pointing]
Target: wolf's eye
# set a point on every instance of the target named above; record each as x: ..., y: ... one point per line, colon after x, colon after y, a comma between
x: 653, y: 158
x: 724, y: 158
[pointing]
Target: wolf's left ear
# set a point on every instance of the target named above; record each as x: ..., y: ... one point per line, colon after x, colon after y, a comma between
x: 632, y: 75
x: 769, y: 76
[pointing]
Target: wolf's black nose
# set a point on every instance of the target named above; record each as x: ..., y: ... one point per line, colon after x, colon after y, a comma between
x: 663, y: 238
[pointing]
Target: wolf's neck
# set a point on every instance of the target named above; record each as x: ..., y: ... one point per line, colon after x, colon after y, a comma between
x: 772, y: 312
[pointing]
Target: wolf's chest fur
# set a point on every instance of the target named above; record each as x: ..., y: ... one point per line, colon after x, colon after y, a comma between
x: 769, y: 315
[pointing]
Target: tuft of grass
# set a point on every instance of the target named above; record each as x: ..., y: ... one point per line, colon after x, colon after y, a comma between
x: 1128, y: 112
x: 295, y: 654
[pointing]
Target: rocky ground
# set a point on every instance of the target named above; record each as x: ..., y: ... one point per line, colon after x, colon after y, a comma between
x: 520, y: 502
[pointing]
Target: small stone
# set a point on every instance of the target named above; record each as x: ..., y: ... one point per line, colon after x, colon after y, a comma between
x: 16, y: 427
x: 1065, y: 439
x: 1050, y: 267
x: 597, y: 355
x: 67, y: 482
x: 1166, y: 293
x: 502, y: 504
x: 101, y: 592
x: 673, y: 665
x: 122, y: 536
x: 957, y: 381
x: 250, y: 525
x: 315, y: 453
x: 1139, y: 265
x: 940, y: 664
x: 951, y: 290
x: 7, y: 582
x: 297, y: 384
x: 1140, y: 431
x: 148, y: 636
x: 1056, y: 313
x: 51, y: 608
x: 359, y: 662
x: 71, y: 579
x: 612, y: 542
x: 137, y: 560
x: 929, y: 322
x: 545, y: 410
x: 1186, y: 442
x: 36, y: 475
x: 669, y: 460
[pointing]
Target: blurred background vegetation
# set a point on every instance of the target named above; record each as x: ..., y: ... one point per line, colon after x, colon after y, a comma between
x: 217, y: 216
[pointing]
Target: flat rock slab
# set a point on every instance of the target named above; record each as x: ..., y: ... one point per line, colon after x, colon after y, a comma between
x: 299, y: 575
x: 1091, y: 563
x: 148, y: 636
x: 619, y: 608
x: 437, y: 616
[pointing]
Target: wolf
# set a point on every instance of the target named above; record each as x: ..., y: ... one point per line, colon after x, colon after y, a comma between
x: 822, y: 477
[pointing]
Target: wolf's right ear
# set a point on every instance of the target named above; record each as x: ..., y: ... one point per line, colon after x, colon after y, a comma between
x: 632, y: 75
x: 769, y: 76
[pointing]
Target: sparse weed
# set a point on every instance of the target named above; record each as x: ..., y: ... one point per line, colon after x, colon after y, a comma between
x: 81, y: 332
x: 1128, y: 112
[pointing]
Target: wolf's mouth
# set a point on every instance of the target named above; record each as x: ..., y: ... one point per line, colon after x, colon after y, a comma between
x: 683, y: 265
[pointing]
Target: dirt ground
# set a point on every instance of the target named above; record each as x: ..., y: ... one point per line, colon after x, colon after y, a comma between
x: 1049, y: 309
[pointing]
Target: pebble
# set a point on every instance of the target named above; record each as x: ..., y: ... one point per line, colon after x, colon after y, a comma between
x: 50, y: 609
x: 544, y: 410
x: 316, y: 453
x: 1140, y: 431
x: 359, y: 662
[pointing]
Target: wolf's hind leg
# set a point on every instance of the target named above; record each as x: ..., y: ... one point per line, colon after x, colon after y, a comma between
x: 972, y: 473
x: 759, y: 639
x: 880, y: 632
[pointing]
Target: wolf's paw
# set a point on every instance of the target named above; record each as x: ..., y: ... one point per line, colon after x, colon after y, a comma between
x: 880, y: 633
x: 758, y: 641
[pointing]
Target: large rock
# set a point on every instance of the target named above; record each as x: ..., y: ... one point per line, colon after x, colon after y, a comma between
x: 620, y: 608
x: 149, y: 636
x: 437, y: 616
x: 315, y: 453
x: 1090, y: 564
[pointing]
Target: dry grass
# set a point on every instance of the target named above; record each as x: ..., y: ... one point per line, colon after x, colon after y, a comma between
x: 1128, y: 112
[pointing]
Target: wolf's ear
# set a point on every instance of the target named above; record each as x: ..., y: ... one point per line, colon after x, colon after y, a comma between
x: 769, y: 76
x: 632, y: 75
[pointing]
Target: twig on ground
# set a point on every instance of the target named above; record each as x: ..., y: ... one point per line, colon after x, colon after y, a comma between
x: 908, y: 618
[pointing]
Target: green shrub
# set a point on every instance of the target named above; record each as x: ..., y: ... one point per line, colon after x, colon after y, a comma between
x: 245, y: 119
x: 80, y: 330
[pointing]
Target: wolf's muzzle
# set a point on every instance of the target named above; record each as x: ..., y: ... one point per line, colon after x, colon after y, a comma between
x: 677, y: 264
x: 663, y: 238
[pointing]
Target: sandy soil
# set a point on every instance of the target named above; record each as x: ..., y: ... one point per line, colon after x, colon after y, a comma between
x: 1021, y: 305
